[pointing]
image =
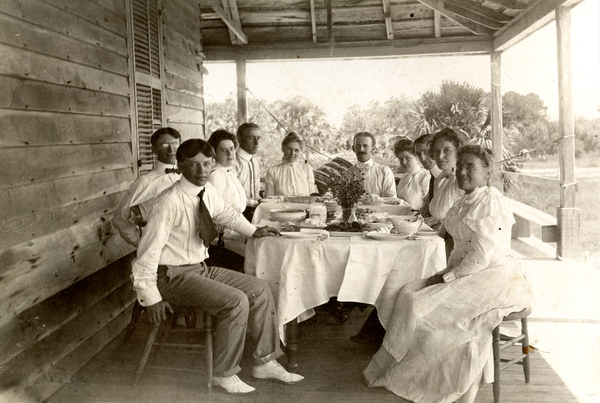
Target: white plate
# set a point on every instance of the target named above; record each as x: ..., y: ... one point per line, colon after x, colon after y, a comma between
x: 344, y: 234
x: 300, y: 227
x: 385, y: 237
x: 426, y: 232
x: 300, y: 235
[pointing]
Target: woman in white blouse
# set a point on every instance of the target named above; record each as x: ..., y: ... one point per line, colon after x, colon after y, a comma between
x: 293, y: 177
x: 438, y: 344
x: 414, y: 184
x: 225, y: 180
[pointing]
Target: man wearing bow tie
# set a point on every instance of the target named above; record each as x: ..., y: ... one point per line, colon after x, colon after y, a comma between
x: 171, y: 269
x: 379, y: 179
x: 132, y: 212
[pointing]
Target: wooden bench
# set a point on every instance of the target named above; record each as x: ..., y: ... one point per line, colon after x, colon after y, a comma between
x: 526, y: 216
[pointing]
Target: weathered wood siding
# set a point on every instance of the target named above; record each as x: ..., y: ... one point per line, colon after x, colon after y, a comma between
x: 182, y: 63
x: 66, y: 152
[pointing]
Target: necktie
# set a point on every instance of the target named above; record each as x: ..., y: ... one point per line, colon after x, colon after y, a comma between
x: 431, y: 186
x: 171, y: 171
x: 207, y: 231
x: 252, y: 196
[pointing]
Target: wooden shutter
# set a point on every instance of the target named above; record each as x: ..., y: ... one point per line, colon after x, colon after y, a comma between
x: 148, y: 85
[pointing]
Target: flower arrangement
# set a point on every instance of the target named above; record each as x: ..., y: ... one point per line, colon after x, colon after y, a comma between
x: 348, y: 188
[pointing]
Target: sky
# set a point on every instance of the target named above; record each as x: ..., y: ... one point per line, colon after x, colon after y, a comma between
x: 528, y: 67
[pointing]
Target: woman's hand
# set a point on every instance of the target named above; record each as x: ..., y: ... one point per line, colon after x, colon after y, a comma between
x: 435, y: 279
x: 265, y: 231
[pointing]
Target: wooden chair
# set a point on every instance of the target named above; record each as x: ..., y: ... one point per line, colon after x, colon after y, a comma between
x: 159, y: 338
x: 500, y: 342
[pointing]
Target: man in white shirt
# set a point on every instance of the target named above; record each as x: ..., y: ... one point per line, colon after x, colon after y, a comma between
x: 132, y: 212
x: 422, y: 149
x: 379, y: 179
x: 170, y: 269
x: 247, y: 165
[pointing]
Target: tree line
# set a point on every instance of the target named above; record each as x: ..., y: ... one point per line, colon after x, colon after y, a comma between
x: 462, y: 106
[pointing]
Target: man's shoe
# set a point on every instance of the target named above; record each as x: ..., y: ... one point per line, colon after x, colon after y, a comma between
x: 232, y: 384
x: 274, y: 370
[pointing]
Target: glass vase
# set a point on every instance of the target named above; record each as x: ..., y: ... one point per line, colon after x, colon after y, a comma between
x: 349, y: 214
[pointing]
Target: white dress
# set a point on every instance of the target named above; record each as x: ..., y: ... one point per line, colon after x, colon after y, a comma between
x: 285, y: 179
x: 438, y: 342
x: 445, y: 193
x: 225, y: 180
x: 414, y: 187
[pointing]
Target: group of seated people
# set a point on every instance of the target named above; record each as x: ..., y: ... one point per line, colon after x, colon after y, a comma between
x: 201, y: 195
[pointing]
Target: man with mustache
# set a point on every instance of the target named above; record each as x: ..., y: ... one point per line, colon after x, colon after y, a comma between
x: 171, y: 269
x: 379, y: 179
x: 132, y: 212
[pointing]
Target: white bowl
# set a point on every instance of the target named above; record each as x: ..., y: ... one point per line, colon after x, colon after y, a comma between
x: 288, y: 215
x: 406, y: 224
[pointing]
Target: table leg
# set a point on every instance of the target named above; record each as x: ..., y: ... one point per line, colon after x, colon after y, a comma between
x: 291, y: 334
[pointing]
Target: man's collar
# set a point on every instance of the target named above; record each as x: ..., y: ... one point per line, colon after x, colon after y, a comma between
x: 161, y: 166
x: 244, y: 154
x: 189, y: 188
x: 435, y: 171
x: 367, y: 164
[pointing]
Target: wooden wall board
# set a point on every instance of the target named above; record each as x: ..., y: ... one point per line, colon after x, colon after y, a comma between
x: 36, y: 66
x: 185, y: 115
x: 39, y: 358
x: 187, y: 59
x: 116, y: 6
x: 31, y: 128
x: 94, y: 13
x: 53, y: 162
x: 38, y: 197
x: 189, y: 130
x: 34, y: 95
x: 186, y: 24
x: 182, y: 85
x: 19, y: 332
x: 181, y: 71
x: 52, y: 18
x: 23, y: 228
x: 35, y: 38
x: 178, y: 43
x: 62, y: 371
x: 28, y: 289
x: 185, y: 100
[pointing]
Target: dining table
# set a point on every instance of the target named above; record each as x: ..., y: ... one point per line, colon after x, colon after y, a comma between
x: 304, y: 273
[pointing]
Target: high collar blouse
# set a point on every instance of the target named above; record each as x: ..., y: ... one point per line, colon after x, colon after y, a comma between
x: 445, y: 193
x: 285, y: 179
x: 225, y: 180
x: 414, y: 187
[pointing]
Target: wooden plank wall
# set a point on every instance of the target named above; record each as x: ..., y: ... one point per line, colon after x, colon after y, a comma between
x: 182, y: 64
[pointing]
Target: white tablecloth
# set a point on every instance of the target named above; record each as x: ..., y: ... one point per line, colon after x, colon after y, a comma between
x: 304, y: 274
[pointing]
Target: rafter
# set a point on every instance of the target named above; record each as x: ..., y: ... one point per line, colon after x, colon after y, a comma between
x: 538, y: 14
x: 471, y: 16
x: 481, y: 10
x: 439, y: 5
x: 437, y: 26
x: 226, y: 16
x: 388, y: 19
x: 512, y: 4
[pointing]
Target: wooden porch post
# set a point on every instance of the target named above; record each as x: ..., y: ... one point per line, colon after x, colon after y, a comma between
x: 242, y: 100
x: 567, y: 214
x: 495, y: 59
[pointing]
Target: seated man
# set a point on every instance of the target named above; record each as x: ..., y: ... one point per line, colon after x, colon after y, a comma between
x: 170, y: 269
x: 422, y: 150
x: 247, y: 165
x: 132, y: 212
x: 379, y: 179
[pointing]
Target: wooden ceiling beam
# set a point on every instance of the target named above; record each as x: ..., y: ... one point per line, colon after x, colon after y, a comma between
x: 537, y: 15
x: 437, y: 26
x: 227, y: 16
x: 481, y: 10
x: 468, y: 45
x: 313, y: 21
x: 389, y: 28
x: 439, y: 5
x: 512, y: 4
x: 472, y: 16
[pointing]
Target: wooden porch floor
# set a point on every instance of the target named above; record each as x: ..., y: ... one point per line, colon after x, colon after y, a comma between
x: 331, y: 364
